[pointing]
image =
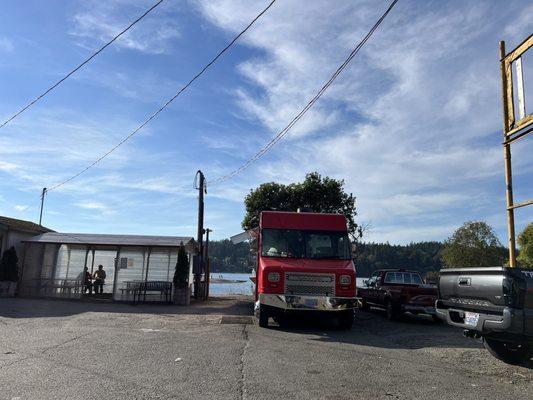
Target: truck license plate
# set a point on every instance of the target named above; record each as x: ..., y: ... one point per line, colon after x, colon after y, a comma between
x: 311, y: 302
x: 471, y: 318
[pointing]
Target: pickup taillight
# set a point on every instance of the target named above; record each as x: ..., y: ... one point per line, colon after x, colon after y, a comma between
x: 513, y: 294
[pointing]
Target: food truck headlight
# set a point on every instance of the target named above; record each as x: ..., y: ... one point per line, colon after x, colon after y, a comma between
x: 273, y: 276
x: 345, y: 279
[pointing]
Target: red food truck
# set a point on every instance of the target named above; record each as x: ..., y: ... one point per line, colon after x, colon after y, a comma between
x: 304, y: 264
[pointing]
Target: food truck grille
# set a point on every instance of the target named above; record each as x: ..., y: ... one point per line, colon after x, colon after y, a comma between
x: 309, y: 284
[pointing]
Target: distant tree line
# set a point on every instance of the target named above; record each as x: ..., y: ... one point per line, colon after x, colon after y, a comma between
x: 423, y: 257
x: 228, y: 257
x: 474, y: 244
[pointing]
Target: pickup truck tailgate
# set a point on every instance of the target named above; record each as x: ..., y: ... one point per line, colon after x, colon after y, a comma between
x: 424, y: 295
x: 497, y: 293
x: 483, y: 289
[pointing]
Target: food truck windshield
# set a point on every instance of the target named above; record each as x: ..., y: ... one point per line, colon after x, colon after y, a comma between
x: 292, y: 243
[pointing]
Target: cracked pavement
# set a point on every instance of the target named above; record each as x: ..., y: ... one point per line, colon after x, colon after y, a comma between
x: 69, y: 350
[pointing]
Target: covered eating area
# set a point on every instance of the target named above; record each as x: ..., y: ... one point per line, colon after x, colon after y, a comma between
x: 136, y: 268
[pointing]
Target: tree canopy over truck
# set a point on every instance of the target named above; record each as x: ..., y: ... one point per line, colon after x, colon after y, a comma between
x: 315, y: 193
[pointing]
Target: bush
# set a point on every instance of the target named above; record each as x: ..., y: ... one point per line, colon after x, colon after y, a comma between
x: 181, y: 273
x: 9, y: 269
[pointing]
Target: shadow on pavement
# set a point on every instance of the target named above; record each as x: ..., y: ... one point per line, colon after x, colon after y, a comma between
x: 46, y: 308
x: 372, y: 329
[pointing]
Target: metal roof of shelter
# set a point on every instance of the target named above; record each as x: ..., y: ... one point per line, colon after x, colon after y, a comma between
x: 22, y: 225
x: 111, y: 240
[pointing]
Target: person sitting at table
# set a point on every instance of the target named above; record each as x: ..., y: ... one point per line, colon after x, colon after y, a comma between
x: 99, y: 279
x: 86, y: 279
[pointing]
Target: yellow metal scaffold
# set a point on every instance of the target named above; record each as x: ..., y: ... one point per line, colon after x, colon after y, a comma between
x: 514, y: 128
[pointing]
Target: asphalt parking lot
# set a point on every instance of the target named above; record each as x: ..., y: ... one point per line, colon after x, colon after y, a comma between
x: 70, y: 350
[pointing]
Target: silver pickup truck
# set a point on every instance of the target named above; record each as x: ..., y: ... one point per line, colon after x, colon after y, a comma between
x: 494, y: 304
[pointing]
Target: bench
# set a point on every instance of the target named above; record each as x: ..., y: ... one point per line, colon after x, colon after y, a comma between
x: 59, y: 286
x: 131, y: 287
x: 163, y: 287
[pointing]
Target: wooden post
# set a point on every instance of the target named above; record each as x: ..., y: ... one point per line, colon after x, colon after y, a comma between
x: 68, y: 260
x: 42, y: 206
x: 146, y: 276
x: 92, y: 261
x: 207, y: 273
x: 508, y: 169
x: 115, y: 275
x: 86, y: 257
x: 198, y: 274
x: 23, y: 265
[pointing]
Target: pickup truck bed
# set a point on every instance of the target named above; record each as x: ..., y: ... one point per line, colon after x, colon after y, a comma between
x: 495, y: 303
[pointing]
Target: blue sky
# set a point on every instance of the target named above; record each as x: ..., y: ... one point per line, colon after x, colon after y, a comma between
x: 413, y: 126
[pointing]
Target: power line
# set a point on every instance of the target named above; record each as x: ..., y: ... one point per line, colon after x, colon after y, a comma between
x: 78, y: 67
x: 287, y: 128
x: 167, y: 103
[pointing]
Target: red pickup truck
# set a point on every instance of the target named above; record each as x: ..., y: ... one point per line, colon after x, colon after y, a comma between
x: 398, y: 291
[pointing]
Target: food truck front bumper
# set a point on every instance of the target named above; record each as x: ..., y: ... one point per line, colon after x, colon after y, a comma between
x: 313, y: 303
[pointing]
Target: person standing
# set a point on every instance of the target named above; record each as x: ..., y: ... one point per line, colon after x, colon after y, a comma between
x: 99, y: 279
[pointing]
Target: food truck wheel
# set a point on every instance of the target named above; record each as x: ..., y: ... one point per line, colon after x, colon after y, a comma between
x: 509, y: 352
x: 346, y: 319
x: 263, y: 317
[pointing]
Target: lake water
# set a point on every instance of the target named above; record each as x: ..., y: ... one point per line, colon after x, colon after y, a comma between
x: 222, y: 289
x: 246, y: 287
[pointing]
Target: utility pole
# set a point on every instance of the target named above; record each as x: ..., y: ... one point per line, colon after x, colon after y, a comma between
x: 42, y: 206
x: 198, y: 273
x: 207, y: 264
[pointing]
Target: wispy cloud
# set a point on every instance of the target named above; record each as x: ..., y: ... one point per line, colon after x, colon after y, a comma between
x: 143, y: 86
x: 103, y: 20
x: 101, y: 208
x: 413, y: 126
x: 6, y: 45
x: 409, y: 125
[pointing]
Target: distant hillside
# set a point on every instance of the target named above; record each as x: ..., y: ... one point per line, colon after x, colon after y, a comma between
x: 423, y: 257
x: 228, y: 257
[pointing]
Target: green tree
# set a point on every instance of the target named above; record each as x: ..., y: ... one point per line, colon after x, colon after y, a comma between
x: 473, y: 245
x: 525, y: 243
x: 181, y: 273
x: 315, y: 193
x: 9, y: 269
